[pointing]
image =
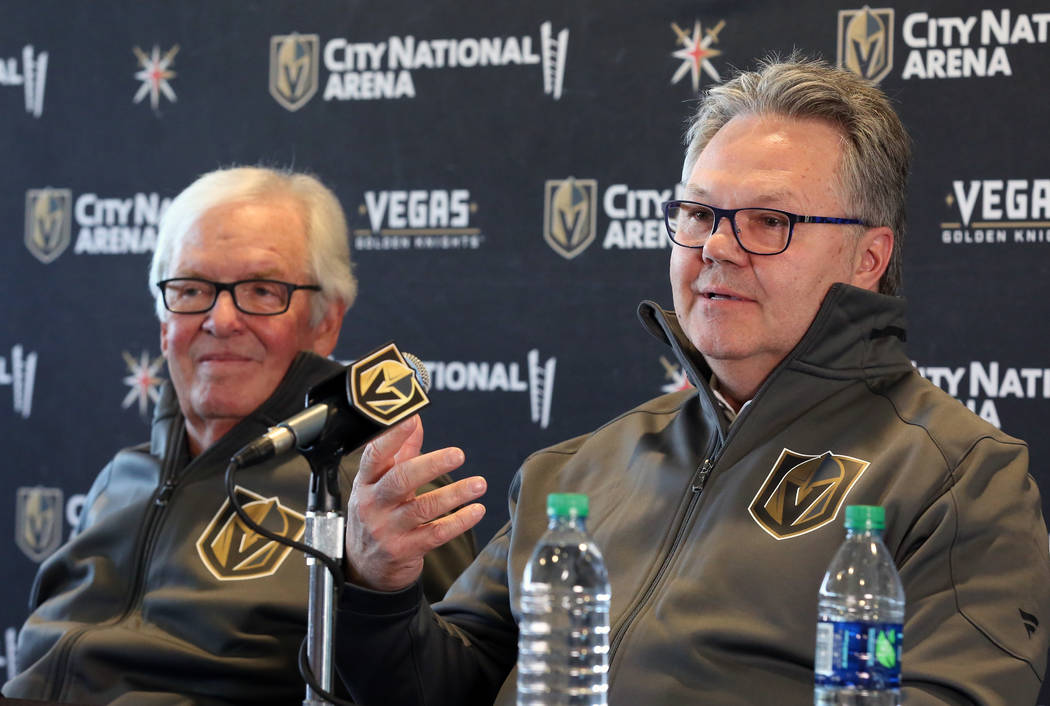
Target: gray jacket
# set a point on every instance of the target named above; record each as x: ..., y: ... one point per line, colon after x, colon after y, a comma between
x: 161, y: 597
x: 716, y: 538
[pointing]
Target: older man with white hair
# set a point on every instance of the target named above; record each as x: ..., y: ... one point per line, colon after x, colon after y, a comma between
x: 163, y: 595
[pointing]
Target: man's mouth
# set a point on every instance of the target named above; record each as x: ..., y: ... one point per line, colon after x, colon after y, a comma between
x: 723, y: 296
x: 223, y: 358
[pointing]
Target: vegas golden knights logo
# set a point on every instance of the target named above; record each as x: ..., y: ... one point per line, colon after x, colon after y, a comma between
x: 233, y: 552
x: 804, y: 492
x: 865, y: 42
x: 48, y: 214
x: 38, y: 523
x: 384, y: 387
x: 569, y: 215
x: 293, y: 69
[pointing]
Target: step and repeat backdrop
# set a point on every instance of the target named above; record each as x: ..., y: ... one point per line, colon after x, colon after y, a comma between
x: 448, y: 130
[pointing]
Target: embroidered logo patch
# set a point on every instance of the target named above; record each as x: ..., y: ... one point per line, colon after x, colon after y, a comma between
x: 803, y: 492
x: 232, y: 552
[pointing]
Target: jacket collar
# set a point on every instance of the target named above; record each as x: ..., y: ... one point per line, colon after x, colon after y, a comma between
x: 663, y: 325
x: 855, y: 333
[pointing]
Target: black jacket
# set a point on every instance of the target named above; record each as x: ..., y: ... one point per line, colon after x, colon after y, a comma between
x: 161, y: 597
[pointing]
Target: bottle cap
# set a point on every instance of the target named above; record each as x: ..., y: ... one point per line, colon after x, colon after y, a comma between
x: 865, y: 517
x: 567, y: 505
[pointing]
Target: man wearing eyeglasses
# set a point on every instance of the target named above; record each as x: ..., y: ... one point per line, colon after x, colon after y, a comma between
x: 718, y: 509
x: 163, y: 596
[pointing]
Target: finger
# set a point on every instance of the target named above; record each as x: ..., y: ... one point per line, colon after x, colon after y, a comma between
x: 399, y: 483
x: 413, y: 444
x: 378, y: 454
x: 441, y: 501
x: 444, y: 529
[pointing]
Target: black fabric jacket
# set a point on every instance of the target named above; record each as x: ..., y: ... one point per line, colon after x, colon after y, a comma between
x: 129, y: 612
x: 717, y: 536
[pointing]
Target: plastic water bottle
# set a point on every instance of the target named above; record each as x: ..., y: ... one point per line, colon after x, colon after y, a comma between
x: 860, y: 616
x: 563, y: 636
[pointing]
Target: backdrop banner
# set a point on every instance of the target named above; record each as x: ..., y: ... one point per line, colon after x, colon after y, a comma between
x: 502, y: 167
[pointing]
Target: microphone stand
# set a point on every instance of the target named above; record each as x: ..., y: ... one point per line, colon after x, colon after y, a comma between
x: 325, y: 527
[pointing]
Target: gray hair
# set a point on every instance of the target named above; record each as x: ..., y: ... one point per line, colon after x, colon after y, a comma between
x: 327, y: 238
x: 876, y: 149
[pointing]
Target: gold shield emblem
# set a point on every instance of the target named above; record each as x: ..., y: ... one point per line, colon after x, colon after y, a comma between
x: 570, y: 215
x: 233, y: 552
x: 38, y: 522
x: 48, y: 215
x: 384, y: 387
x: 293, y: 69
x: 804, y: 492
x: 865, y: 42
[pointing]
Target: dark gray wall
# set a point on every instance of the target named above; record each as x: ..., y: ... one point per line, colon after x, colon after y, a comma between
x: 509, y: 324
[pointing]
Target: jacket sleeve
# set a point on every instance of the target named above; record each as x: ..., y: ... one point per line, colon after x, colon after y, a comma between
x: 976, y: 575
x: 55, y: 569
x: 394, y: 649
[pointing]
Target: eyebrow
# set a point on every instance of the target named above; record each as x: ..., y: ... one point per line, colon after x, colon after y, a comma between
x: 268, y: 273
x: 769, y: 196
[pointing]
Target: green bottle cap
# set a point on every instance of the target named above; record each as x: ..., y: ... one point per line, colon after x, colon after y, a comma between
x: 566, y: 505
x: 865, y: 517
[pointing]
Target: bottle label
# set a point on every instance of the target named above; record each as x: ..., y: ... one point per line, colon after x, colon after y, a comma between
x: 860, y: 655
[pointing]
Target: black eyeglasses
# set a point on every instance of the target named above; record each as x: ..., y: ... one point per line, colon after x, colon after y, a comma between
x: 759, y: 231
x: 259, y: 297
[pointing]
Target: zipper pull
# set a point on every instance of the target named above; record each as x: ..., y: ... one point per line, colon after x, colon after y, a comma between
x: 701, y: 476
x: 165, y: 493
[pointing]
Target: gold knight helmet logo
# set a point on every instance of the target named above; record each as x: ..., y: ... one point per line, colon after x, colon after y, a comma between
x: 48, y: 215
x: 570, y: 215
x: 233, y: 552
x: 384, y: 387
x: 804, y: 492
x: 293, y: 69
x: 38, y: 525
x: 865, y: 42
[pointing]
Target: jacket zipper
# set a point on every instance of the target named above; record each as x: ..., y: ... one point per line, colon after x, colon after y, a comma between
x: 147, y: 534
x: 696, y: 487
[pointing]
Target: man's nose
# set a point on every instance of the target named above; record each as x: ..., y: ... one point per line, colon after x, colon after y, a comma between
x: 224, y: 317
x: 722, y: 243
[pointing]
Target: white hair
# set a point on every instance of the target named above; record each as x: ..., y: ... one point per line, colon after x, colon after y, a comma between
x: 327, y: 237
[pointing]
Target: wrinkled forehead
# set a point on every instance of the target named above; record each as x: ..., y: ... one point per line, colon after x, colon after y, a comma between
x: 258, y: 238
x: 771, y: 158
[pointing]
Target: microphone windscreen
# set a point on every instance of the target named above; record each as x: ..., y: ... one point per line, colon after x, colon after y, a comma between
x: 422, y: 374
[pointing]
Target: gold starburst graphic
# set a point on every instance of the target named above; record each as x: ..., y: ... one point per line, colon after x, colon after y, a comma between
x: 696, y: 52
x: 143, y: 381
x: 155, y: 74
x: 676, y: 377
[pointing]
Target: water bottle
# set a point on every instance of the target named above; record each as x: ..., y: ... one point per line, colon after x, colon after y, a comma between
x: 563, y: 636
x: 860, y: 613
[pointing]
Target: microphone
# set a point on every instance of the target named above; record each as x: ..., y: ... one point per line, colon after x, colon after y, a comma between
x: 350, y: 408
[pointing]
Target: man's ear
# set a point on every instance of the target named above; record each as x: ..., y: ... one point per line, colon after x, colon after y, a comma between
x: 872, y: 257
x: 326, y: 333
x: 164, y: 337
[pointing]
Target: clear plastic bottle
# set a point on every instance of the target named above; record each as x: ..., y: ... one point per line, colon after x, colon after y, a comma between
x: 860, y: 616
x: 563, y: 635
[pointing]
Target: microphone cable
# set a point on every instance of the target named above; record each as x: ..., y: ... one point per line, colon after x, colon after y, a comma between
x: 338, y: 578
